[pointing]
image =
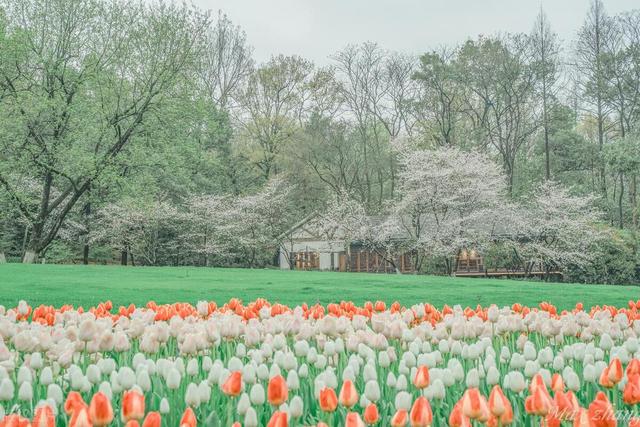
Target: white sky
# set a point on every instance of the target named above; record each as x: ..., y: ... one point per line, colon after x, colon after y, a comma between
x: 316, y: 29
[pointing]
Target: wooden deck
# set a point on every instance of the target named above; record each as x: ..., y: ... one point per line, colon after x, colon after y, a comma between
x: 504, y: 273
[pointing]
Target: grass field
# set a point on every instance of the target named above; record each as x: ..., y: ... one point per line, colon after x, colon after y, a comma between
x: 87, y: 285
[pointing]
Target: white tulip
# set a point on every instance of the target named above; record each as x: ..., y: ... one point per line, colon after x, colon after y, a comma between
x: 25, y: 392
x: 403, y: 400
x: 164, y: 406
x: 243, y: 404
x: 7, y: 389
x: 257, y: 394
x: 296, y: 407
x: 54, y: 392
x: 250, y: 418
x: 372, y: 391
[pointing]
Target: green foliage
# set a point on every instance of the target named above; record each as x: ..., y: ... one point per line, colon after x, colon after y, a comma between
x: 615, y: 260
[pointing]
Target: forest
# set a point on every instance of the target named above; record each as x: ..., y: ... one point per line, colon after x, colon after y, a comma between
x: 146, y: 134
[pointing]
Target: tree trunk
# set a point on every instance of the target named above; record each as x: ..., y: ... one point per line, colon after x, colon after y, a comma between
x: 123, y: 257
x: 634, y: 200
x: 30, y: 256
x: 3, y: 258
x: 620, y: 210
x: 85, y: 250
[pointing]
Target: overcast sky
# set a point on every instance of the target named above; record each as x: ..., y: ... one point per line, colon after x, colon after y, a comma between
x: 315, y: 29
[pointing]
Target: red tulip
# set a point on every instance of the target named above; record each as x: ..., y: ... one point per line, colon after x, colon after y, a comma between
x: 278, y: 419
x: 601, y: 412
x: 421, y: 380
x: 457, y: 418
x: 634, y: 422
x: 348, y: 394
x: 499, y: 406
x: 188, y: 418
x: 44, y: 417
x: 233, y: 385
x: 328, y: 400
x: 100, y: 410
x: 73, y: 402
x: 474, y: 405
x: 132, y: 405
x: 371, y: 414
x: 132, y: 423
x: 421, y: 415
x: 153, y: 419
x: 353, y: 420
x: 400, y: 418
x: 80, y: 417
x: 277, y: 391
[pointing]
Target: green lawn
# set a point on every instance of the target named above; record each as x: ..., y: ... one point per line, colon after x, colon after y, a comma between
x: 87, y: 285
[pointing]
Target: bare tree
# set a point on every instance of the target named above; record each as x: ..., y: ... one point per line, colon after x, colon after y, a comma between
x: 546, y: 57
x: 594, y: 39
x: 226, y: 63
x: 439, y: 103
x: 501, y: 80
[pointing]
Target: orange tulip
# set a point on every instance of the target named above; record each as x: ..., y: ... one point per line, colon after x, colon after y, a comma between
x: 73, y: 402
x: 557, y: 383
x: 582, y: 418
x: 601, y: 412
x: 233, y: 385
x: 44, y: 417
x: 631, y: 392
x: 499, y: 405
x: 421, y: 415
x: 188, y: 418
x: 353, y: 420
x: 80, y: 417
x: 537, y: 382
x: 153, y: 419
x: 371, y: 414
x: 633, y: 368
x: 539, y: 403
x: 565, y: 405
x: 474, y: 405
x: 236, y: 424
x: 615, y: 371
x: 634, y: 422
x: 457, y: 418
x: 421, y: 380
x: 132, y: 405
x: 278, y: 419
x: 328, y: 400
x: 321, y: 424
x: 100, y: 410
x: 15, y: 420
x: 132, y: 423
x: 277, y: 391
x: 348, y: 394
x: 604, y: 379
x: 400, y: 418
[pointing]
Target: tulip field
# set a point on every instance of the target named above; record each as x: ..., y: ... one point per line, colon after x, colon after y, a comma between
x: 259, y: 362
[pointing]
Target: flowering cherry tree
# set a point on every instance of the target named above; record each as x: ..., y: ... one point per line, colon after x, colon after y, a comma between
x: 447, y: 200
x: 556, y: 229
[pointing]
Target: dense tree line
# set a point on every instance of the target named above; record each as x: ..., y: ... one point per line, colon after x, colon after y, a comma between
x: 146, y: 133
